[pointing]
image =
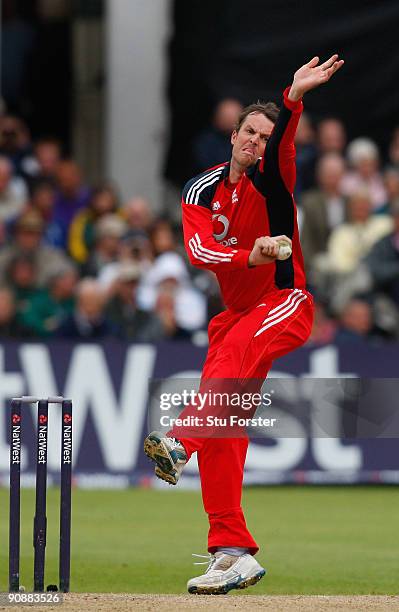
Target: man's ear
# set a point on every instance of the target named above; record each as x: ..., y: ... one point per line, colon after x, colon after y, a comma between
x: 233, y: 136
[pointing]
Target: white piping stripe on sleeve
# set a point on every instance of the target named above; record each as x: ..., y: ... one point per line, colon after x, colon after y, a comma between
x: 210, y: 182
x: 195, y: 253
x: 209, y: 258
x: 285, y: 316
x: 212, y: 254
x: 203, y: 256
x: 200, y: 249
x: 283, y: 310
x: 205, y: 250
x: 197, y: 184
x: 291, y: 295
x: 192, y: 246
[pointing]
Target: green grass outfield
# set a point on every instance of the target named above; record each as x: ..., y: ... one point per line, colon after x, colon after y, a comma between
x: 313, y: 540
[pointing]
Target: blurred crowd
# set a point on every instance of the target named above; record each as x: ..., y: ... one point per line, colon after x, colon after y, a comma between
x: 77, y: 262
x: 348, y: 197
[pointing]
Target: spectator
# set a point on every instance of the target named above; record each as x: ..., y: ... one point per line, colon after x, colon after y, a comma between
x: 48, y: 152
x: 132, y: 248
x: 363, y: 158
x: 127, y: 321
x: 355, y: 323
x: 43, y: 201
x: 324, y: 208
x: 165, y: 308
x: 13, y: 193
x: 162, y: 237
x: 28, y: 234
x: 306, y: 155
x: 331, y: 136
x: 9, y: 325
x: 108, y: 233
x: 391, y: 183
x: 383, y: 260
x: 71, y: 196
x: 206, y: 282
x: 213, y: 145
x: 22, y: 280
x: 103, y: 201
x: 324, y: 328
x: 169, y: 267
x: 15, y: 144
x: 138, y: 215
x: 136, y: 247
x: 169, y: 279
x: 21, y: 275
x: 87, y: 322
x: 45, y: 311
x: 352, y: 241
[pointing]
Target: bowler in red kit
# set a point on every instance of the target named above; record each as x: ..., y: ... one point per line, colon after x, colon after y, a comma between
x: 236, y: 216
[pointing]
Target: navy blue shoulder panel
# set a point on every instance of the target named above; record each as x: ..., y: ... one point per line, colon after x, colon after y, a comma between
x: 201, y: 189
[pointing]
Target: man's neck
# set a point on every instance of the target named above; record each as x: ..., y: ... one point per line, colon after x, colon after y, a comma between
x: 236, y: 172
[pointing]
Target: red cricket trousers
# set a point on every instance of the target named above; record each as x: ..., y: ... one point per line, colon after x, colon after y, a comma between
x: 242, y: 345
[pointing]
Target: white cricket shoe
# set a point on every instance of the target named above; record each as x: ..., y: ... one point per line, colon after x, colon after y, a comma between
x: 168, y: 454
x: 226, y: 572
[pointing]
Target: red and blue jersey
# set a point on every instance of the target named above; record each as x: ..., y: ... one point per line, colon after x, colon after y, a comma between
x: 222, y: 221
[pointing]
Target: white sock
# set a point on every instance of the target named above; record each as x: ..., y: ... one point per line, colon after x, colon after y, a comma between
x: 232, y: 550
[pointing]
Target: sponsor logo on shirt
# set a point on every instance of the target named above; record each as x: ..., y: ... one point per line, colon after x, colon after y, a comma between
x: 216, y: 206
x: 222, y: 235
x: 234, y: 197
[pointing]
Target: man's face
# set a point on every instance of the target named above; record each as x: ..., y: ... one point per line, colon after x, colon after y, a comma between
x: 69, y: 178
x: 28, y: 239
x: 330, y: 172
x: 127, y: 290
x: 359, y: 208
x: 250, y: 141
x: 332, y: 137
x: 48, y: 155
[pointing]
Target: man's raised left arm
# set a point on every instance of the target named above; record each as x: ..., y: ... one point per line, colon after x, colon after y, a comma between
x: 278, y: 163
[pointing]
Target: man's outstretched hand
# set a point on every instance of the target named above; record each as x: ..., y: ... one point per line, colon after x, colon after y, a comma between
x: 312, y: 75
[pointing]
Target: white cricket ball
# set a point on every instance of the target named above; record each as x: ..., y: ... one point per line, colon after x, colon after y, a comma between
x: 284, y: 251
x: 21, y: 588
